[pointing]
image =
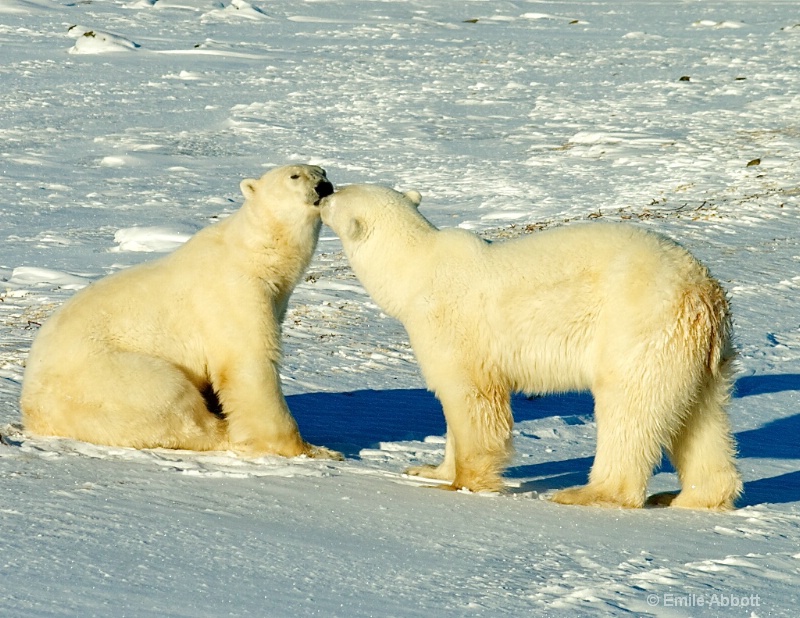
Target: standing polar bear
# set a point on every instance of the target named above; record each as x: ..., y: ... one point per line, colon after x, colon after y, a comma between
x: 613, y: 309
x: 182, y: 352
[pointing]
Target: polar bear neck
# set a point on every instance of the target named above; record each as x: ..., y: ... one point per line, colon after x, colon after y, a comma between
x: 277, y: 252
x: 395, y: 277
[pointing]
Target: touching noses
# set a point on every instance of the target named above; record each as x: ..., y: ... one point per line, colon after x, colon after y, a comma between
x: 324, y: 188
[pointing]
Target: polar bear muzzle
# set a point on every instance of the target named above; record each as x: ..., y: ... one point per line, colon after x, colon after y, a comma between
x: 323, y: 189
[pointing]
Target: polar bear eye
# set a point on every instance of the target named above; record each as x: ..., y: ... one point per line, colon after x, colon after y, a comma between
x: 294, y: 176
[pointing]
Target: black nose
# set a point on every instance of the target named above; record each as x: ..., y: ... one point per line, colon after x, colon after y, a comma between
x: 324, y: 189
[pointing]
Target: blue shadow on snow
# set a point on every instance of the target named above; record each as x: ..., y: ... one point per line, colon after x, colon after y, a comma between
x: 356, y: 420
x: 777, y: 439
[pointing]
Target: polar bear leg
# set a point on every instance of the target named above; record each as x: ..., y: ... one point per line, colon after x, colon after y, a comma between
x: 127, y: 399
x: 630, y: 435
x: 703, y: 452
x: 479, y: 429
x: 445, y: 471
x: 259, y: 421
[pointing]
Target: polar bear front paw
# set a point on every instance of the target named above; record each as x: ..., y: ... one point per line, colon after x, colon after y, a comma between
x: 321, y: 452
x: 590, y: 495
x: 430, y: 472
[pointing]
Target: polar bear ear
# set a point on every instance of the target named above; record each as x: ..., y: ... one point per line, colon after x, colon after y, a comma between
x: 248, y: 187
x: 414, y: 196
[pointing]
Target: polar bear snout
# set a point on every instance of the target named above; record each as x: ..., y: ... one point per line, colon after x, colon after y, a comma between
x: 323, y: 189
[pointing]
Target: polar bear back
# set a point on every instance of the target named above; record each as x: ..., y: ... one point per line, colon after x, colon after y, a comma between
x: 581, y: 262
x: 541, y: 308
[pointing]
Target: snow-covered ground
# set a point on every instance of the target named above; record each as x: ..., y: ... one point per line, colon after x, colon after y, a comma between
x: 127, y: 125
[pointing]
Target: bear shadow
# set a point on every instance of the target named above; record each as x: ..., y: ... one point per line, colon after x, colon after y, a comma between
x: 352, y: 421
x: 774, y: 440
x: 552, y: 475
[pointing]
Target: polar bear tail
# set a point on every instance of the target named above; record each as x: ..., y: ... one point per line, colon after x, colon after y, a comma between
x: 716, y: 310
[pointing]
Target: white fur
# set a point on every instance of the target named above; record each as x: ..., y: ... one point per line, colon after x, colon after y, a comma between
x: 626, y: 314
x: 135, y: 359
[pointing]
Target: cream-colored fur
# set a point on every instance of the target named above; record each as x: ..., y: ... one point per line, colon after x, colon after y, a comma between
x: 624, y: 313
x: 143, y: 358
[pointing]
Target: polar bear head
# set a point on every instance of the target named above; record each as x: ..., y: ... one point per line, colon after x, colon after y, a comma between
x: 290, y: 194
x: 382, y: 233
x: 363, y: 213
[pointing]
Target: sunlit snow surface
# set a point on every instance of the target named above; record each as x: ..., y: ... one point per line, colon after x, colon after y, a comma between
x: 127, y: 126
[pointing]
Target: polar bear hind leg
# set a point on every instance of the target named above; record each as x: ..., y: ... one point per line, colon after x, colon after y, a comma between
x: 643, y: 392
x: 703, y: 453
x: 629, y: 444
x: 128, y: 399
x: 656, y: 393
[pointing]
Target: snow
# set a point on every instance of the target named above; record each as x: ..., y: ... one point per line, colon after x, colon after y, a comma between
x: 508, y: 117
x: 98, y: 42
x: 30, y: 276
x: 160, y: 239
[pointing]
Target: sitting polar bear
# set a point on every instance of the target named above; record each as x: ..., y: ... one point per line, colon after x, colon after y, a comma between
x: 182, y: 352
x: 613, y: 309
